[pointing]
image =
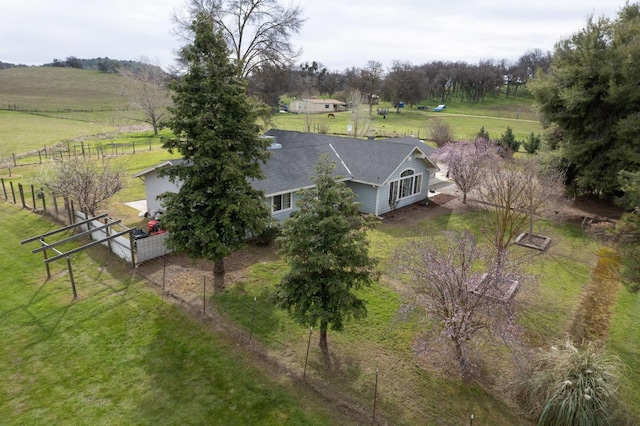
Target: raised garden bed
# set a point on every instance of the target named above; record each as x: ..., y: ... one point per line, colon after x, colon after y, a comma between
x: 538, y: 242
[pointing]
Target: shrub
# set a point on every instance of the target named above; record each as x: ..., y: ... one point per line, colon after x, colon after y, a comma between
x: 440, y: 133
x: 573, y: 386
x: 270, y: 232
x: 483, y: 134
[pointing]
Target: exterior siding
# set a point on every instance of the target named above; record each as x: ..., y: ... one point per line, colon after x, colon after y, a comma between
x: 155, y: 186
x: 419, y: 167
x: 282, y: 215
x: 366, y: 194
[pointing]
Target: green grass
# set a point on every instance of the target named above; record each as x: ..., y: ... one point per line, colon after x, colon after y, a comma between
x: 54, y: 90
x: 624, y: 340
x: 20, y: 132
x: 383, y: 340
x: 465, y: 120
x: 117, y: 354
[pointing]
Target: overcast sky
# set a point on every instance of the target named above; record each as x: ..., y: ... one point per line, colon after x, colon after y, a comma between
x: 337, y: 33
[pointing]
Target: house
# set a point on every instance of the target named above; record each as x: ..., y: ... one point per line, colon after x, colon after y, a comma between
x: 316, y: 106
x: 384, y: 174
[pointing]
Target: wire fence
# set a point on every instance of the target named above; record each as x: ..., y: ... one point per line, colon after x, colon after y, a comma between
x: 76, y: 149
x: 376, y: 396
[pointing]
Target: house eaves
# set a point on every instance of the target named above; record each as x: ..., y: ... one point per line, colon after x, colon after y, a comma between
x: 421, y: 156
x: 158, y: 166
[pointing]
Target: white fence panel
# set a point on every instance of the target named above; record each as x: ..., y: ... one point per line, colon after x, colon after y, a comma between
x: 120, y: 246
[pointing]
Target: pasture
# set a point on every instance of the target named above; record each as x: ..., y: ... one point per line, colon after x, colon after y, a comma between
x: 465, y: 120
x: 121, y: 354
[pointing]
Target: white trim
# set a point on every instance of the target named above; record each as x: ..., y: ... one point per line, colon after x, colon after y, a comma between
x: 412, y: 191
x: 426, y: 159
x: 291, y: 204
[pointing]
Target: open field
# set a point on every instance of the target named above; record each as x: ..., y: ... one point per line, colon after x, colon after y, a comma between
x: 49, y: 89
x: 20, y: 132
x: 464, y: 119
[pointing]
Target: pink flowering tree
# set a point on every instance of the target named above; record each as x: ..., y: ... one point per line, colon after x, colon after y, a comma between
x: 466, y: 160
x: 463, y: 287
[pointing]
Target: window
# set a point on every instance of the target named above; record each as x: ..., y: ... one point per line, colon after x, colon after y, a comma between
x: 281, y: 202
x: 326, y: 106
x: 409, y: 184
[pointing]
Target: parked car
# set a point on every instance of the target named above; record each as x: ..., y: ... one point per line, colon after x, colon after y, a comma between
x: 440, y: 108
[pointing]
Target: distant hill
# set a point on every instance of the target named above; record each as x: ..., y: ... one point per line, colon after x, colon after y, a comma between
x: 96, y: 64
x: 56, y: 89
x: 6, y: 65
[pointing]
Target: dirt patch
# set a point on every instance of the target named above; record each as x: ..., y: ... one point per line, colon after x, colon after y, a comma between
x: 438, y: 205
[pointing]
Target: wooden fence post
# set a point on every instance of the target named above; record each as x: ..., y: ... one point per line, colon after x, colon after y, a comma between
x: 33, y: 199
x: 55, y: 204
x: 13, y: 192
x: 4, y: 189
x: 21, y: 192
x: 73, y: 283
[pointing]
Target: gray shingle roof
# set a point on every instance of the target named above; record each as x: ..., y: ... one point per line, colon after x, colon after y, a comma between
x: 291, y: 166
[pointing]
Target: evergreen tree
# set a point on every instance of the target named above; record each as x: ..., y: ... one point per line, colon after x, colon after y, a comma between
x: 214, y: 123
x: 532, y: 143
x: 508, y: 142
x: 483, y: 134
x: 326, y: 246
x: 591, y: 94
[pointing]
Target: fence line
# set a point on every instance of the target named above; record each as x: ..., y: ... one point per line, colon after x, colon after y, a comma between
x: 251, y: 323
x: 69, y: 149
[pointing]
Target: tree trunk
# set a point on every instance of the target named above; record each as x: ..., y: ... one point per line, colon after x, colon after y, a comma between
x: 323, y: 336
x: 462, y: 359
x: 218, y: 275
x: 464, y: 197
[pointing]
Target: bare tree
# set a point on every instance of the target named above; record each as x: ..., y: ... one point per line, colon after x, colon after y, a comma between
x: 503, y: 191
x: 147, y: 91
x: 360, y: 115
x: 7, y: 163
x: 544, y: 191
x: 516, y: 192
x: 440, y: 132
x: 466, y: 162
x: 464, y: 287
x: 369, y: 81
x: 257, y: 31
x: 86, y: 182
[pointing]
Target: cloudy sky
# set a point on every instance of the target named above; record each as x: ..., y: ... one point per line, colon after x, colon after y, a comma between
x: 337, y: 33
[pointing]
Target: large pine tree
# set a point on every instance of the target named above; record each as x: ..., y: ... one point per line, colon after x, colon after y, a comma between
x: 591, y: 94
x: 325, y: 244
x: 214, y: 123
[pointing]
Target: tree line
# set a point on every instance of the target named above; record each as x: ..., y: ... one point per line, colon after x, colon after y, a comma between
x: 402, y: 81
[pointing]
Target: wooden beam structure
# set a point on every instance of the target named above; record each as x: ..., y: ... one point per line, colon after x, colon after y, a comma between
x: 44, y: 246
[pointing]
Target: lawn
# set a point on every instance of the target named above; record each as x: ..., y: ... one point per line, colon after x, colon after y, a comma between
x: 413, y: 387
x: 118, y: 354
